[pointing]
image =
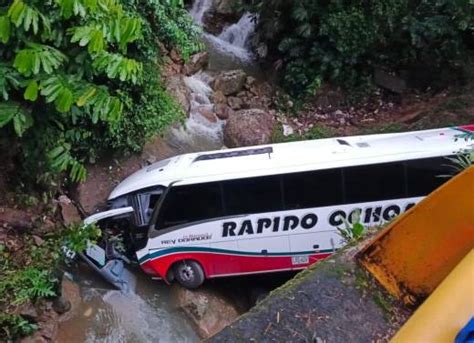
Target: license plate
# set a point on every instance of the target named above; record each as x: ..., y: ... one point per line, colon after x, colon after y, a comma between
x: 299, y: 260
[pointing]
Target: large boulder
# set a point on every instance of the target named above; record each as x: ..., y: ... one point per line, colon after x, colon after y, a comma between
x: 248, y: 127
x: 208, y: 310
x: 196, y: 63
x: 176, y: 86
x: 230, y: 82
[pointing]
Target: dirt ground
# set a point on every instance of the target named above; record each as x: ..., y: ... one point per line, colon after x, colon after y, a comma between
x: 385, y: 112
x: 333, y: 301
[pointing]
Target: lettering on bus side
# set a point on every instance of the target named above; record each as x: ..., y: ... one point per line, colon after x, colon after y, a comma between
x: 368, y: 216
x: 275, y: 224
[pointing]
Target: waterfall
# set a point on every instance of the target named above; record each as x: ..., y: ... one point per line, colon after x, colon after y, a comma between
x: 238, y: 34
x: 234, y: 40
x: 199, y: 8
x: 198, y: 133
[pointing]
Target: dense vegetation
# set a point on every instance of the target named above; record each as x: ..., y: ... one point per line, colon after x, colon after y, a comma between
x: 27, y: 275
x: 78, y: 77
x: 343, y: 41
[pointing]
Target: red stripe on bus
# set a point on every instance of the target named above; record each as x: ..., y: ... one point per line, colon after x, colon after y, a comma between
x: 216, y: 264
x: 467, y: 127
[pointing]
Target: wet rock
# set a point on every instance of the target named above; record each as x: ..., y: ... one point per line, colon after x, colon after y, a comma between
x: 248, y: 127
x: 250, y: 81
x: 388, y: 81
x: 219, y: 98
x: 207, y: 113
x: 224, y: 6
x: 176, y: 86
x: 235, y: 103
x: 156, y: 149
x: 69, y: 300
x: 196, y: 63
x: 19, y: 220
x: 48, y: 325
x: 209, y: 311
x: 230, y: 82
x: 262, y: 102
x: 28, y: 310
x: 223, y: 111
x: 61, y: 305
x: 175, y: 56
x: 69, y: 211
x: 214, y: 23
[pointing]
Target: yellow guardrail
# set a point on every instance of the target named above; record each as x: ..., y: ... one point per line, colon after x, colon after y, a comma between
x: 446, y: 311
x: 413, y: 255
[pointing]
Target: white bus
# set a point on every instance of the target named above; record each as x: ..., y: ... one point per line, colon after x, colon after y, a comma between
x: 274, y: 207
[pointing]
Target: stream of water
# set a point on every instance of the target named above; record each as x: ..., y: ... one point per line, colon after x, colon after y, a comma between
x: 107, y: 315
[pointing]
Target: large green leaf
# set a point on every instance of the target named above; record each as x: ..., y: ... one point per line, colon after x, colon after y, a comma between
x: 27, y: 16
x: 33, y: 58
x: 4, y: 29
x: 31, y: 92
x: 64, y: 100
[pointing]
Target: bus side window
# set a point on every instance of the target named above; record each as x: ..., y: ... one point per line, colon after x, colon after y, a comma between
x: 187, y: 204
x: 425, y: 175
x: 312, y: 189
x: 252, y: 195
x: 374, y: 182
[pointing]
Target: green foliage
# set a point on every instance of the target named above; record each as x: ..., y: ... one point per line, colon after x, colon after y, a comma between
x: 77, y: 237
x: 28, y: 275
x: 353, y: 229
x: 72, y: 77
x: 12, y: 326
x: 343, y: 41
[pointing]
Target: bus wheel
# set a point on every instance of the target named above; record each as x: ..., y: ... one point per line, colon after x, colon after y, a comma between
x: 189, y: 274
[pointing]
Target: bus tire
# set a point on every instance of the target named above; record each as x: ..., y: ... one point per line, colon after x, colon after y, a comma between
x: 189, y: 274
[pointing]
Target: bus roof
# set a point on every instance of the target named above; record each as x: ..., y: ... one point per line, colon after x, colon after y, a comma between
x: 295, y: 157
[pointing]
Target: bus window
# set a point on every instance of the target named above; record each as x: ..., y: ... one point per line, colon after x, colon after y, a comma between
x: 425, y: 175
x: 186, y: 204
x: 252, y: 195
x: 312, y: 189
x: 374, y: 182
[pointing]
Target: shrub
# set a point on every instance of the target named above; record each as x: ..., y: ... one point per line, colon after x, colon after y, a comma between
x: 344, y: 40
x: 72, y: 77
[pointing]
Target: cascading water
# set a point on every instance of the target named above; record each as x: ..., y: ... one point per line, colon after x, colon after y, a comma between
x: 198, y: 132
x: 234, y: 40
x: 229, y: 50
x: 199, y: 8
